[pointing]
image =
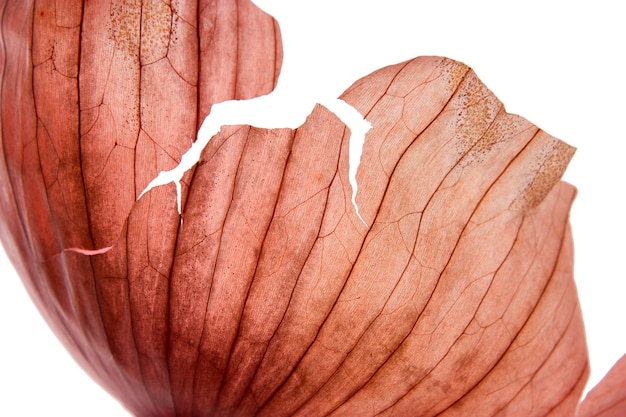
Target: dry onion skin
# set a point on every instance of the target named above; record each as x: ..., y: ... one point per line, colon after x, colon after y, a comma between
x: 272, y: 297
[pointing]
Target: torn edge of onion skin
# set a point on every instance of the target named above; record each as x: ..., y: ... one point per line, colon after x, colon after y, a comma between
x: 358, y: 125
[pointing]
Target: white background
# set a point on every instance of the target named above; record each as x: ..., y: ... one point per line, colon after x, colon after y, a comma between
x: 559, y: 64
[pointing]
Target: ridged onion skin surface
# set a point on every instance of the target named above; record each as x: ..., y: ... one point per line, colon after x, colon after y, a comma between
x: 269, y: 296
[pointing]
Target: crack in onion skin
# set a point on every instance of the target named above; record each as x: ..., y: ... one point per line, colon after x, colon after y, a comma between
x: 272, y: 298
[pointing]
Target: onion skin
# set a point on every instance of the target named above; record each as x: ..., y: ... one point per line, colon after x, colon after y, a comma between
x: 608, y: 398
x: 271, y: 297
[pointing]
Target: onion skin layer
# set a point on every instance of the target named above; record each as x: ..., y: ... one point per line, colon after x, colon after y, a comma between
x: 271, y: 297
